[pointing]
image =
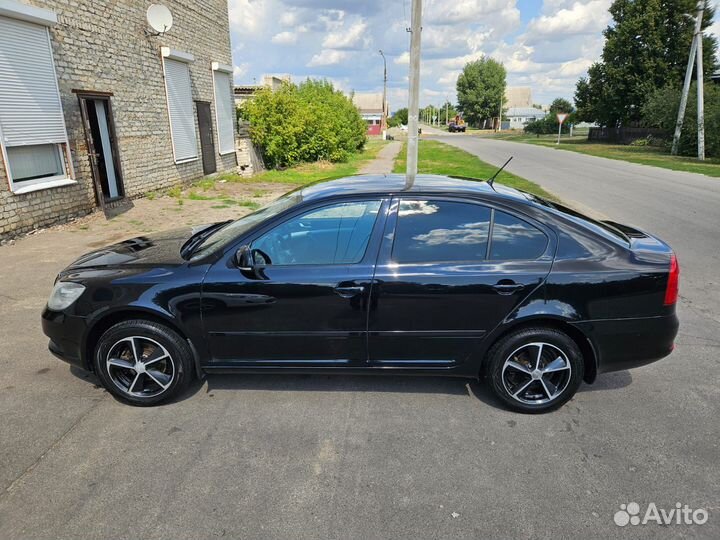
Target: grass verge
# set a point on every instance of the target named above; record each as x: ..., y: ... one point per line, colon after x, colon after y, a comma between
x: 310, y: 172
x: 644, y: 155
x: 439, y: 158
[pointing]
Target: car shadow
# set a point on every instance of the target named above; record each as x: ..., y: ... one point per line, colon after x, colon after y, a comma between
x: 456, y: 386
x: 608, y: 381
x: 338, y: 383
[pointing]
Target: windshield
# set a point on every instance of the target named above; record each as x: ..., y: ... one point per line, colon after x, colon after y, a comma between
x: 224, y: 235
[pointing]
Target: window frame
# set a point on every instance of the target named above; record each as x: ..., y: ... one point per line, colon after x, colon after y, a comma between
x: 394, y: 219
x: 218, y: 67
x: 42, y: 18
x: 166, y: 53
x: 377, y: 229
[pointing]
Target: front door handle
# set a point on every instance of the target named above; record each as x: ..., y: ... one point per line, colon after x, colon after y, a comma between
x: 507, y: 286
x: 349, y: 292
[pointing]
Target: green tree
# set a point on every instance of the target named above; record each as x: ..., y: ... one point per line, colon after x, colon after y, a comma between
x: 305, y: 122
x: 451, y: 112
x: 550, y: 125
x: 661, y: 111
x: 399, y: 118
x: 646, y: 48
x: 561, y: 105
x: 480, y: 90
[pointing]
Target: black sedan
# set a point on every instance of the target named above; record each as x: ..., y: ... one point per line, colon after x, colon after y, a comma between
x: 361, y: 275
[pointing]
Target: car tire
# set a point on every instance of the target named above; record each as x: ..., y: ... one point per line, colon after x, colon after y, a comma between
x: 162, y: 371
x: 535, y: 370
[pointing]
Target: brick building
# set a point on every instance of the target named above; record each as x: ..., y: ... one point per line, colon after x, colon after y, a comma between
x: 371, y: 109
x: 95, y: 107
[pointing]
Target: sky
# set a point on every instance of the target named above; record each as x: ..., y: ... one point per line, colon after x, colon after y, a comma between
x: 544, y: 44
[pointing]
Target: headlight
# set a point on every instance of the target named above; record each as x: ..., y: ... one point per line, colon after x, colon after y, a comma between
x: 64, y: 294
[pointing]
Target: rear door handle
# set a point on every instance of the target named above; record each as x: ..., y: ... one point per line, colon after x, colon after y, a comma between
x: 507, y: 287
x: 349, y: 292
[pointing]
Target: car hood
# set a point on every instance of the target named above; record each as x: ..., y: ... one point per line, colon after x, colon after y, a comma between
x: 151, y: 250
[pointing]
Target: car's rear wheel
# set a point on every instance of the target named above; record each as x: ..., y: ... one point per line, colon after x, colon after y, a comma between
x: 143, y: 363
x: 535, y: 370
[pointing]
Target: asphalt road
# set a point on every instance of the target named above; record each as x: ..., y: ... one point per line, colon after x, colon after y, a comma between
x: 362, y: 457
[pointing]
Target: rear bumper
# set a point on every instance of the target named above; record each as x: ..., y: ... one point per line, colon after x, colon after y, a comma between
x: 65, y: 333
x: 628, y: 343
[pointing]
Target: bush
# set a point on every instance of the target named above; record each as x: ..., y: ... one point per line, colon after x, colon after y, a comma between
x: 547, y: 126
x: 650, y: 140
x: 661, y: 111
x: 307, y: 122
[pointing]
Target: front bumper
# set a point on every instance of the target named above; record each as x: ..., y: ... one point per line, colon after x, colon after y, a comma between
x: 628, y: 343
x: 66, y: 336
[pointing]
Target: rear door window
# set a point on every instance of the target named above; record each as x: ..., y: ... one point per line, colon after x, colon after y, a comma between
x: 437, y: 231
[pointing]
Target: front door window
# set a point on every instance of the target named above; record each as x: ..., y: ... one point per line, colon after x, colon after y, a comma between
x: 332, y: 235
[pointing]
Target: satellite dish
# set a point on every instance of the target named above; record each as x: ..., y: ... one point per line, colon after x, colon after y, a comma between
x: 159, y: 18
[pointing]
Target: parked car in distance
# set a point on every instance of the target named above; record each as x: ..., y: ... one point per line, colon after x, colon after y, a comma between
x: 403, y: 127
x: 455, y: 127
x: 361, y: 275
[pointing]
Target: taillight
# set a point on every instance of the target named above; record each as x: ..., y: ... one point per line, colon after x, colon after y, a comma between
x: 673, y: 283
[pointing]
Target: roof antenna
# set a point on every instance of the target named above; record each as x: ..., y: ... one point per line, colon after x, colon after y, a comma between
x: 494, y: 176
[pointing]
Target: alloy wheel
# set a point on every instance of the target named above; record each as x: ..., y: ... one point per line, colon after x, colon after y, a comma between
x: 140, y: 367
x: 536, y: 373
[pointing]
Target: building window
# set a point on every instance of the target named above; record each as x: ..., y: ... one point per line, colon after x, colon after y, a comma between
x: 180, y: 105
x: 224, y: 108
x: 32, y: 126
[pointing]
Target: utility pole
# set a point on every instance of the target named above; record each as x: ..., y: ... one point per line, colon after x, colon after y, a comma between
x: 499, y: 128
x: 697, y: 36
x: 383, y: 121
x: 700, y: 91
x: 447, y: 104
x: 414, y: 93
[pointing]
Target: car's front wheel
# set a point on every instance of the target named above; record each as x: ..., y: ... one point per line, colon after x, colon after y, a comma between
x: 535, y: 370
x: 142, y: 362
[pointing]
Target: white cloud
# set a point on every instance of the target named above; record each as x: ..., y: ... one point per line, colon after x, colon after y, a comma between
x: 327, y: 57
x: 347, y: 38
x: 246, y: 14
x: 579, y: 18
x: 239, y: 71
x: 285, y: 38
x: 466, y: 11
x: 574, y: 68
x: 288, y: 19
x: 403, y: 59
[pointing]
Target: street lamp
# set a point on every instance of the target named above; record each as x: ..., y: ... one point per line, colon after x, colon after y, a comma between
x: 383, y: 122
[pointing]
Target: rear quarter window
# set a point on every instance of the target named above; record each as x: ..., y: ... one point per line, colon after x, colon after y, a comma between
x: 515, y: 239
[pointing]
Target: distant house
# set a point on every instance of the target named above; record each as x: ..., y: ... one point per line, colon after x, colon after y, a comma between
x: 244, y: 92
x: 95, y: 107
x: 519, y: 117
x: 371, y: 109
x: 715, y: 77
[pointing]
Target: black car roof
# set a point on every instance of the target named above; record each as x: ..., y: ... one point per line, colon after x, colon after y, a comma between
x: 395, y: 183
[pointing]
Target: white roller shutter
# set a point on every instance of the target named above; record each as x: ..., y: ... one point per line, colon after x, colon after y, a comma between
x: 180, y: 108
x: 224, y: 111
x: 30, y: 108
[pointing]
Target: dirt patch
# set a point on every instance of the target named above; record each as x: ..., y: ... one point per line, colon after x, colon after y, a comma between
x: 206, y: 201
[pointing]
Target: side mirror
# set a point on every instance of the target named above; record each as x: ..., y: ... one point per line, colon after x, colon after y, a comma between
x: 244, y: 259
